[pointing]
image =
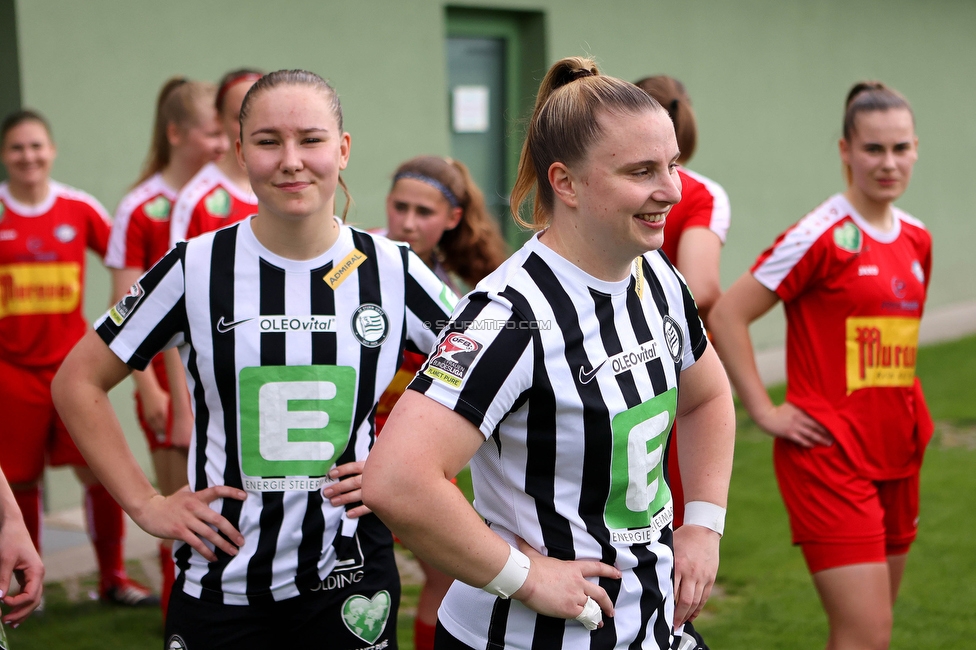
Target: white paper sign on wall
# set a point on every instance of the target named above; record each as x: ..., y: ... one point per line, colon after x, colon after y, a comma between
x: 470, y: 110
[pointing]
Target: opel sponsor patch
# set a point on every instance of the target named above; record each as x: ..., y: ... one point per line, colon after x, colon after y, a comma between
x: 124, y: 307
x: 453, y: 358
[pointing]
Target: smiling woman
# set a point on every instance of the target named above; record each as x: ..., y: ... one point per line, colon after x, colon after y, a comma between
x: 571, y: 545
x: 290, y: 324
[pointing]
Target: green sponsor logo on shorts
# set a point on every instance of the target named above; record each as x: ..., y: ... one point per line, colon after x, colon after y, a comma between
x: 637, y: 486
x: 848, y: 237
x: 158, y: 208
x: 2, y: 210
x: 295, y: 420
x: 366, y: 618
x: 218, y: 202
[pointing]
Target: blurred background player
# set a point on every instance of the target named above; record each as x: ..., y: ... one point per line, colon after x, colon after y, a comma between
x: 186, y: 136
x: 849, y: 439
x: 693, y: 233
x: 435, y: 206
x: 45, y: 229
x: 219, y: 194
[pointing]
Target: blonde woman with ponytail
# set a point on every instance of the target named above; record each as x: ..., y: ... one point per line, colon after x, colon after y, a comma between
x: 186, y: 136
x: 558, y: 379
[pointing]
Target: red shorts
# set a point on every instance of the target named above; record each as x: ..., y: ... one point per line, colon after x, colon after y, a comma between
x: 164, y: 440
x: 32, y: 429
x: 837, y: 516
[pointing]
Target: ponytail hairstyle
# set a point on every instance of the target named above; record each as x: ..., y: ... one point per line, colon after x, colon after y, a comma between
x: 178, y: 103
x: 564, y: 125
x: 298, y: 78
x: 17, y: 118
x: 475, y: 247
x: 868, y: 96
x: 671, y: 94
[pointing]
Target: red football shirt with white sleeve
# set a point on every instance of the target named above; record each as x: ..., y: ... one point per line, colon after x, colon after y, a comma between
x: 140, y: 231
x: 854, y: 298
x: 703, y: 204
x: 210, y: 201
x: 42, y: 271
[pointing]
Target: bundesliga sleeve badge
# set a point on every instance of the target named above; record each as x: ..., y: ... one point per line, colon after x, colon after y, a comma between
x: 124, y: 307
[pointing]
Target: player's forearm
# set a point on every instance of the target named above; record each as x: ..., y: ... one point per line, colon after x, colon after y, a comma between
x: 706, y: 432
x: 730, y: 335
x: 80, y: 393
x: 9, y: 511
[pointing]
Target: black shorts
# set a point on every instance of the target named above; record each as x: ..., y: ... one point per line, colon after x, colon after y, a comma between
x: 354, y: 608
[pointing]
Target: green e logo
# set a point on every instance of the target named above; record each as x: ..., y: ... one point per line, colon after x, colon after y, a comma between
x: 637, y: 486
x: 295, y: 420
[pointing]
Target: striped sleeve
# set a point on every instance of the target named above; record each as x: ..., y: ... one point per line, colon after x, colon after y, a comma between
x: 151, y: 317
x: 482, y: 363
x: 428, y: 302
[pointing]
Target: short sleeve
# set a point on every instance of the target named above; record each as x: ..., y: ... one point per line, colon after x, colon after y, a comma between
x: 482, y: 365
x: 793, y: 263
x: 151, y: 317
x: 99, y: 226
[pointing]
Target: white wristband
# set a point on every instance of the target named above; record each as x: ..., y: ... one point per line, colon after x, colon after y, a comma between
x: 703, y: 513
x: 512, y: 576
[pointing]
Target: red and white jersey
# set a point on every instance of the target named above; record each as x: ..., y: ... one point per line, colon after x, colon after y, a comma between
x: 42, y: 270
x: 703, y: 204
x: 854, y: 298
x: 140, y: 231
x: 208, y: 202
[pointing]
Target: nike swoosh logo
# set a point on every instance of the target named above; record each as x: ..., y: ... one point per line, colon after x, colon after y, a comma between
x: 587, y: 377
x: 223, y: 327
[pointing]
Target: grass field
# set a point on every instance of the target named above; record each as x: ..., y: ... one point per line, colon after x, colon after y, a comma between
x: 765, y: 599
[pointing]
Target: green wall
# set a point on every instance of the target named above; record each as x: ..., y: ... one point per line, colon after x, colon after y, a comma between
x: 768, y: 78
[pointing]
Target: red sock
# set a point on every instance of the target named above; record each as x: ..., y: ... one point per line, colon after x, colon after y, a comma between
x: 168, y: 568
x: 29, y: 502
x: 423, y: 635
x: 106, y: 528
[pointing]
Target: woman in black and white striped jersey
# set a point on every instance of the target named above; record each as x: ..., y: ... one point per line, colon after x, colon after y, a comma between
x: 290, y: 324
x: 558, y: 379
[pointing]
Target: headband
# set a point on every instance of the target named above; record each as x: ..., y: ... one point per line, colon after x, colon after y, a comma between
x: 233, y: 81
x: 433, y: 182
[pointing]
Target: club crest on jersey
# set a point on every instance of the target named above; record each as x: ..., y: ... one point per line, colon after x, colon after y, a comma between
x: 370, y: 325
x: 217, y: 202
x: 672, y: 338
x: 918, y: 272
x: 65, y: 233
x: 452, y: 359
x: 898, y: 287
x: 124, y: 307
x: 157, y: 209
x: 176, y: 642
x: 848, y: 237
x: 367, y: 617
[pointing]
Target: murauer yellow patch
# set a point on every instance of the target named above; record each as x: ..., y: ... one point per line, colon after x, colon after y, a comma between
x: 881, y: 351
x: 39, y: 288
x: 341, y: 271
